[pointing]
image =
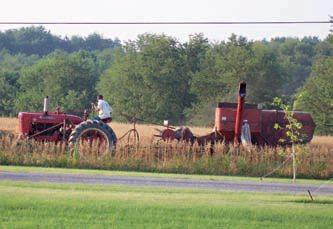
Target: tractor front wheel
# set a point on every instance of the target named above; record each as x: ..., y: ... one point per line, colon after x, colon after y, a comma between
x: 92, y: 138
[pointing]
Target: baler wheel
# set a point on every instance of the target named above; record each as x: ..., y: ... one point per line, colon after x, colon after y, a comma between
x: 92, y: 138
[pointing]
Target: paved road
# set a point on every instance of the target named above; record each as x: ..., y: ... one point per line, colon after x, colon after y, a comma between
x: 168, y: 182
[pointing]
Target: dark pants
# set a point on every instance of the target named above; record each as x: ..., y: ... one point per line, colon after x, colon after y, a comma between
x: 97, y: 118
x: 106, y: 120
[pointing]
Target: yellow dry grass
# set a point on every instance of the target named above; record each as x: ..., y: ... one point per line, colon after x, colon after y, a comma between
x: 323, y: 140
x: 316, y: 158
x: 9, y: 124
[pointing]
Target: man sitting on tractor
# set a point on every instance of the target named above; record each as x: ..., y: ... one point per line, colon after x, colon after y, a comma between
x: 104, y: 110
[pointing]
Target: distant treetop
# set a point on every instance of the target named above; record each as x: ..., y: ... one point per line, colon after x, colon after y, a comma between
x: 39, y: 41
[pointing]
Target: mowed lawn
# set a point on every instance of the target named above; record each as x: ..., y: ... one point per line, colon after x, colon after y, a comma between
x: 24, y: 204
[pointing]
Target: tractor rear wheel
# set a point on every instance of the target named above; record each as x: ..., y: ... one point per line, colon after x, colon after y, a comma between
x: 92, y: 138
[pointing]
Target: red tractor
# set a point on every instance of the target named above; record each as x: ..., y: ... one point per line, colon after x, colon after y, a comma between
x: 61, y: 127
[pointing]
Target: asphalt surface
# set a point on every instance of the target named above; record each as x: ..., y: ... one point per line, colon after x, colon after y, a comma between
x: 326, y: 189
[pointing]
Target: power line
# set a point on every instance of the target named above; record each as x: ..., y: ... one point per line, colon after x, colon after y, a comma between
x: 163, y: 22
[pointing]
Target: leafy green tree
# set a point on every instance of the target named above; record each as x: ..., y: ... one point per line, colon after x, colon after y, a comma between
x: 149, y: 80
x: 68, y: 79
x: 7, y: 93
x: 292, y: 130
x: 196, y: 50
x: 329, y: 38
x: 97, y: 42
x: 267, y: 75
x: 225, y: 65
x: 39, y: 41
x: 10, y: 66
x: 297, y: 57
x: 29, y: 40
x: 76, y: 43
x: 105, y: 58
x: 316, y: 96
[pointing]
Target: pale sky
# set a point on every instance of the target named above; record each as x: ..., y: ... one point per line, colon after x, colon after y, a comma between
x: 173, y: 10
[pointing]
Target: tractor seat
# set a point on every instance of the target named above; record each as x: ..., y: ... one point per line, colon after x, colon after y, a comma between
x: 107, y: 120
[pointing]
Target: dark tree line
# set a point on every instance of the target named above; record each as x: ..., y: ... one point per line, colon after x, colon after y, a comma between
x: 39, y: 41
x: 157, y: 77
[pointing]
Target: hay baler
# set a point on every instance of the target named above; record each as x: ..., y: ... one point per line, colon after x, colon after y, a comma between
x: 229, y: 119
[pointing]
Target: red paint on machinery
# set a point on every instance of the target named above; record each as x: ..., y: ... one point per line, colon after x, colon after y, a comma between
x: 229, y: 118
x: 53, y: 126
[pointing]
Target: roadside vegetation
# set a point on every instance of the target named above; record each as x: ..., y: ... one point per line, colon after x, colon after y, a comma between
x: 313, y: 160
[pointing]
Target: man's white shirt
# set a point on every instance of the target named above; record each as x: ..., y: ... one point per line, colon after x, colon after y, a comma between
x: 105, y: 109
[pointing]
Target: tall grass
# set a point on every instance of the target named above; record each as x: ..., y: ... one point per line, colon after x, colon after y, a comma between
x: 314, y: 160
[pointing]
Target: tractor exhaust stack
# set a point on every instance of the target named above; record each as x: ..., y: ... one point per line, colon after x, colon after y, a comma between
x: 46, y: 105
x: 239, y: 112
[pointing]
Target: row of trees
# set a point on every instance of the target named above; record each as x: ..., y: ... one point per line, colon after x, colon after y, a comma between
x: 156, y: 77
x: 38, y: 41
x: 68, y: 78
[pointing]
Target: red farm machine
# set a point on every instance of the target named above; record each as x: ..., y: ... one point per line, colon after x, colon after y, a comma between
x: 81, y: 134
x: 229, y: 118
x: 59, y: 127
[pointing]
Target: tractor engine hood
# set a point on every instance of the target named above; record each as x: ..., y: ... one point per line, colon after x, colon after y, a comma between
x: 26, y: 119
